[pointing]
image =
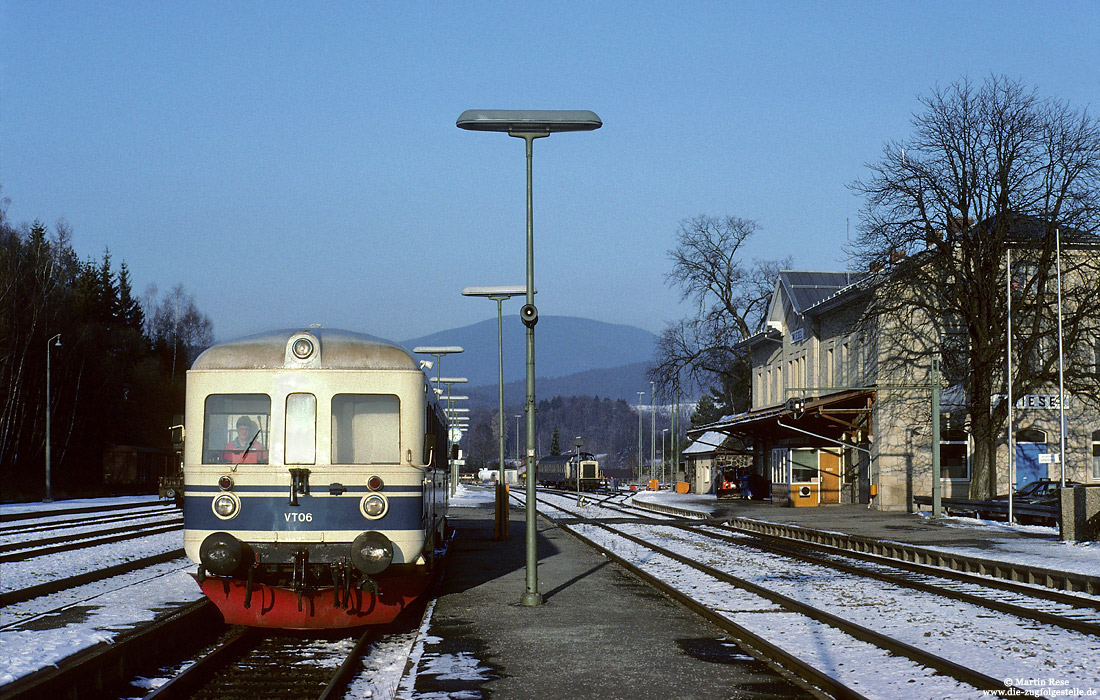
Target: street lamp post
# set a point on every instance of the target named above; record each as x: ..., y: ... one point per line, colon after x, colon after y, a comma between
x: 529, y: 125
x: 438, y: 351
x: 499, y: 294
x: 579, y: 444
x: 639, y: 460
x: 664, y: 432
x: 451, y: 430
x: 518, y: 460
x: 49, y: 343
x: 652, y: 422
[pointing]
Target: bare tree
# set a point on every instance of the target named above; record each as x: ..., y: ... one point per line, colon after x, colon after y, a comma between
x: 989, y: 167
x: 730, y: 299
x: 175, y: 324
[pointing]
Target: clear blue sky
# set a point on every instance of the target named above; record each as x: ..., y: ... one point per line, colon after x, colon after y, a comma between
x: 298, y: 162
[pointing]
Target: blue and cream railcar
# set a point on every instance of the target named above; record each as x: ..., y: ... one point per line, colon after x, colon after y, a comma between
x: 315, y: 479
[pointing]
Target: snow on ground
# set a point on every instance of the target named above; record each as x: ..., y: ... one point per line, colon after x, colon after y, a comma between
x: 31, y: 572
x: 1042, y: 548
x: 35, y: 634
x: 474, y: 496
x: 44, y: 508
x: 40, y: 632
x: 45, y: 630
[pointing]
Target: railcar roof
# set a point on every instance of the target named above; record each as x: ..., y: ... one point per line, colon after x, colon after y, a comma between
x: 340, y: 349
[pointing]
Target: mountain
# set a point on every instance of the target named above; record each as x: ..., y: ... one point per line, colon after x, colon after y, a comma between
x: 573, y: 356
x: 613, y: 382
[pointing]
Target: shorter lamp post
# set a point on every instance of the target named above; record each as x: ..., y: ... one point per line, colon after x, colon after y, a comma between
x: 640, y: 472
x: 519, y: 460
x: 499, y: 294
x: 664, y: 431
x: 438, y: 351
x: 579, y: 444
x: 49, y: 343
x: 451, y: 381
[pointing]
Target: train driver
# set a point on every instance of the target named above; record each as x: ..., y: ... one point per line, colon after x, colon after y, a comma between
x: 246, y: 448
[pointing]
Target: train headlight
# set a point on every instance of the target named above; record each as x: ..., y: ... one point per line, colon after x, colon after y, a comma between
x: 225, y: 483
x: 371, y: 552
x: 375, y: 483
x: 226, y: 505
x: 373, y: 506
x: 302, y: 348
x: 222, y: 553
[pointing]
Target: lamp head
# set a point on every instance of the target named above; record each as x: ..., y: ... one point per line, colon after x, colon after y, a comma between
x: 528, y: 120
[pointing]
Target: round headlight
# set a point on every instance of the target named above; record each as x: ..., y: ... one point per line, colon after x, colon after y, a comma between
x: 371, y: 552
x: 373, y: 506
x: 302, y: 348
x: 222, y: 553
x: 226, y: 506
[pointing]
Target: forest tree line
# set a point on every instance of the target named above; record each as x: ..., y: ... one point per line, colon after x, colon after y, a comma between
x: 606, y: 426
x: 116, y: 361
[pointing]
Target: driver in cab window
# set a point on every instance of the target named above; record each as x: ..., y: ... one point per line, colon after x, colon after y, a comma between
x: 246, y: 447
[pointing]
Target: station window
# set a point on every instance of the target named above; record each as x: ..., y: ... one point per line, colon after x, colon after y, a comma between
x: 236, y: 429
x: 1031, y: 435
x: 954, y: 455
x: 1096, y: 455
x: 301, y: 429
x: 780, y: 466
x: 803, y: 465
x: 366, y: 429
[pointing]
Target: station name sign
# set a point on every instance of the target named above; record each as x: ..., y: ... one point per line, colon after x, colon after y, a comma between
x: 1038, y: 401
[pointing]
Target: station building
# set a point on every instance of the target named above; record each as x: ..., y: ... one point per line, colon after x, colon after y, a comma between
x: 836, y: 419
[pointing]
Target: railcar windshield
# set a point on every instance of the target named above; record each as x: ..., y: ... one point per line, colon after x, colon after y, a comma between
x: 366, y: 429
x: 235, y: 429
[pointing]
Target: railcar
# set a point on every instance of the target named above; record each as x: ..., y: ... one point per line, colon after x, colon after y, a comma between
x: 561, y: 471
x: 314, y: 478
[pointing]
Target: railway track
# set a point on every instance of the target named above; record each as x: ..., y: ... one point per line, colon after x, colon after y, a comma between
x: 82, y: 511
x: 183, y: 645
x: 818, y: 615
x: 247, y: 664
x: 257, y: 665
x: 25, y: 539
x: 98, y: 671
x: 37, y: 521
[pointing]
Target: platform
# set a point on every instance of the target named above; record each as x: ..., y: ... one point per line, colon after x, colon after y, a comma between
x: 600, y: 632
x: 1030, y: 545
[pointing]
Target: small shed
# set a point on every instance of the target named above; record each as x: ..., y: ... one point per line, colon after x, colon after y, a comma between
x: 707, y: 454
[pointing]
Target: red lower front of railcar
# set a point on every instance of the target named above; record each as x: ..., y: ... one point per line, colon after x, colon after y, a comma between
x: 315, y: 608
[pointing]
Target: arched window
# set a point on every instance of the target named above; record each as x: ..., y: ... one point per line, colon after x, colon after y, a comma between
x: 1031, y: 435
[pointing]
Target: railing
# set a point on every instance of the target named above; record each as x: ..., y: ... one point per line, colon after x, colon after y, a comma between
x: 984, y: 509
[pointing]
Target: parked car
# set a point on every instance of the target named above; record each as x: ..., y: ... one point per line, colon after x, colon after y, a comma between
x: 1041, y: 492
